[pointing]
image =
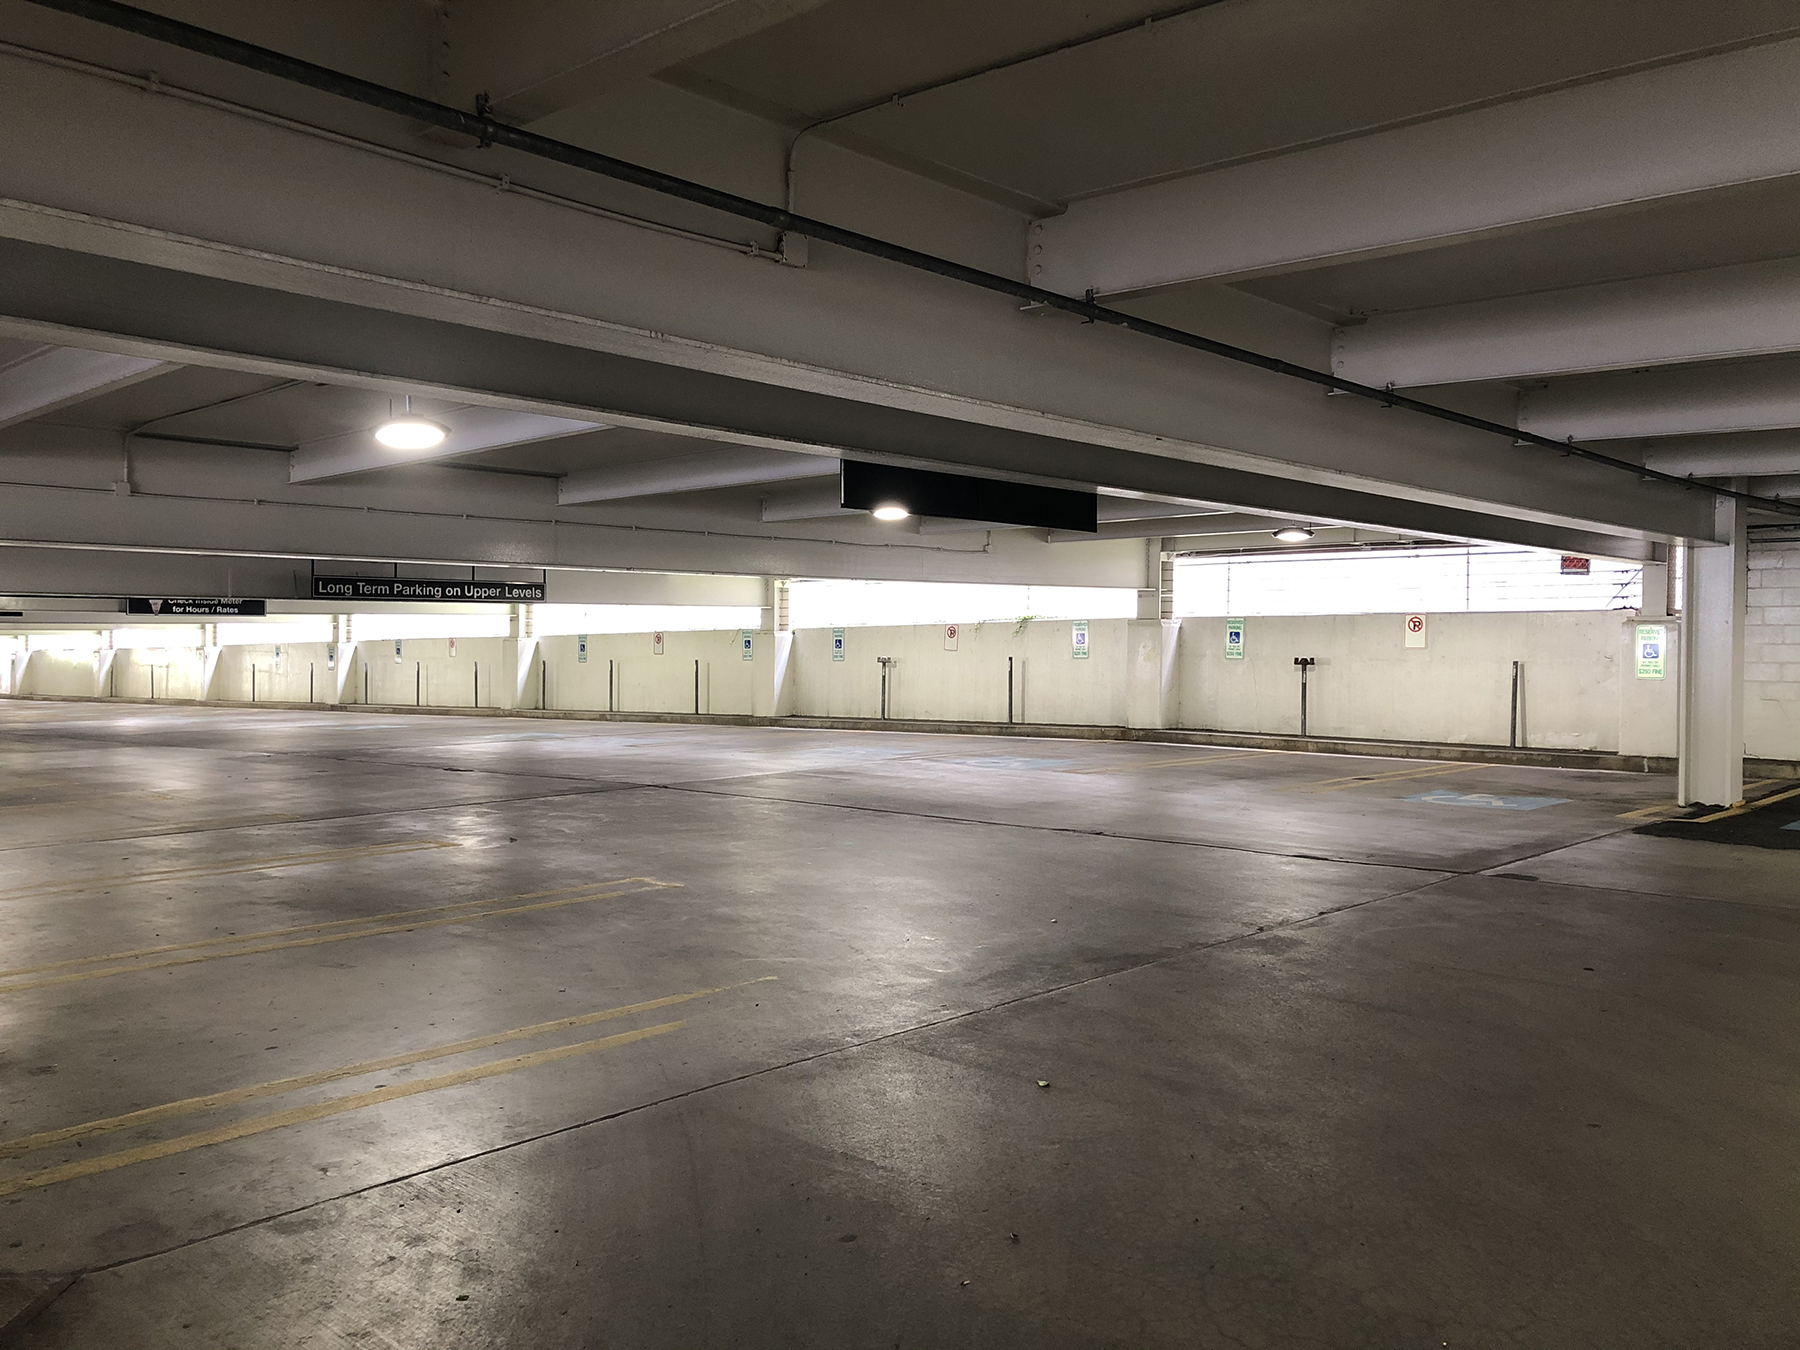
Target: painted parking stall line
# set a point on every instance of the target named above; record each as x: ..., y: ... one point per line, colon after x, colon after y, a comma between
x: 1445, y: 797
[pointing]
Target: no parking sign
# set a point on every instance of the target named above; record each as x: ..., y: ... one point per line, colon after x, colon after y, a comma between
x: 1415, y: 630
x: 950, y: 634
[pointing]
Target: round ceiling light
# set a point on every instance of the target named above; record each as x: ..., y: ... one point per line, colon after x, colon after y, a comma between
x: 891, y: 511
x: 411, y: 432
x: 1293, y: 534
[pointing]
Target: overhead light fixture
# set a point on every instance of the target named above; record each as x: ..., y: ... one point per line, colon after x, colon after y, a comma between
x: 891, y: 511
x: 408, y: 431
x: 1293, y: 534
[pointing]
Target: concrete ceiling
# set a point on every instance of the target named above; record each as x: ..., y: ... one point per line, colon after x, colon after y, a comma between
x: 235, y: 277
x: 1227, y: 82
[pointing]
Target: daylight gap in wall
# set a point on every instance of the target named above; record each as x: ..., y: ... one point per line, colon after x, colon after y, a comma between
x: 1482, y: 578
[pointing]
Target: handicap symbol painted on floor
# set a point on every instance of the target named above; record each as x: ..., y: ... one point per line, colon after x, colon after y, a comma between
x: 1444, y: 797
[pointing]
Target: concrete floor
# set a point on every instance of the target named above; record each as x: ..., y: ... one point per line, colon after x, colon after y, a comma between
x: 1326, y: 1066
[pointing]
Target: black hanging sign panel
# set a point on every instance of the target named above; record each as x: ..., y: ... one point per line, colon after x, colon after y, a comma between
x: 429, y: 589
x: 959, y: 497
x: 210, y: 609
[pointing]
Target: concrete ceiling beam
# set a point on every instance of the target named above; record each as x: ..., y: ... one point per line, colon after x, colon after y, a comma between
x: 398, y: 277
x: 533, y: 58
x: 1687, y: 401
x: 44, y: 379
x: 491, y: 530
x: 815, y: 499
x: 1608, y: 145
x: 98, y: 579
x: 1752, y: 309
x: 471, y: 430
x: 737, y: 466
x: 1143, y: 508
x: 1727, y: 456
x: 1231, y: 522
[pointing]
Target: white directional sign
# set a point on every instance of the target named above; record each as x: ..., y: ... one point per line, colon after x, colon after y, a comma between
x: 1234, y: 639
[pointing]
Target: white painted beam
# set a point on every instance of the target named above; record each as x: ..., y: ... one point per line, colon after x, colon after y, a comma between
x: 738, y: 466
x: 1704, y: 124
x: 952, y: 525
x: 811, y: 499
x: 1123, y: 412
x: 1225, y: 522
x: 537, y: 57
x: 1690, y: 401
x: 471, y: 430
x: 1752, y: 309
x: 819, y: 501
x: 48, y: 378
x: 1149, y: 508
x: 1780, y: 485
x: 1727, y: 456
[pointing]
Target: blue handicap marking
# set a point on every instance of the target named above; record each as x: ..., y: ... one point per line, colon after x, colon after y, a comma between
x: 1444, y: 797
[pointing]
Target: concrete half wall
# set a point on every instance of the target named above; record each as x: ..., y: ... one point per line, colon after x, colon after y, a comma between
x: 1579, y: 686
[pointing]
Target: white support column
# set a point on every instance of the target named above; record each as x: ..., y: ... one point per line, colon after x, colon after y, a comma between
x: 209, y: 668
x: 1711, y: 735
x: 518, y: 660
x: 103, y: 664
x: 773, y: 692
x: 1152, y: 693
x: 343, y: 652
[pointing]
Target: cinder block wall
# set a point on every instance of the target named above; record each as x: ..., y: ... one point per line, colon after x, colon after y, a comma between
x: 1772, y: 652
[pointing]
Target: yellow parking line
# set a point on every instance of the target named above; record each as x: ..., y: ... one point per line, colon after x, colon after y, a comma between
x: 1744, y: 808
x: 234, y: 939
x: 76, y: 977
x: 1376, y: 780
x: 276, y: 1087
x: 206, y: 871
x: 1645, y: 812
x: 108, y: 1162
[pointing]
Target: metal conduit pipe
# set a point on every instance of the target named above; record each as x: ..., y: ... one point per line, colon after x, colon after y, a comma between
x: 485, y: 131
